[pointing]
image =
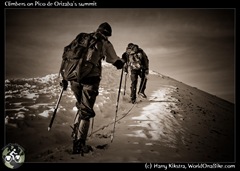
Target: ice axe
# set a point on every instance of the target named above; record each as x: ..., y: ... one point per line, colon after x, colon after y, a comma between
x: 55, y: 110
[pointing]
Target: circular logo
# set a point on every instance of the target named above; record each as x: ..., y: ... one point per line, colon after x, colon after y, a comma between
x: 13, y: 156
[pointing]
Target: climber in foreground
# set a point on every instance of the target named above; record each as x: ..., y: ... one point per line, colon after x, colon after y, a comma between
x: 82, y: 67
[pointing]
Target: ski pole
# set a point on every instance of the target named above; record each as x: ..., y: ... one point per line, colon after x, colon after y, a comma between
x: 125, y: 83
x: 112, y: 136
x: 55, y: 110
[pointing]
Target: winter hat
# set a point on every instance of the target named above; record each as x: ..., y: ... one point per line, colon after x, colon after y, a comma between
x: 105, y: 29
x: 130, y: 45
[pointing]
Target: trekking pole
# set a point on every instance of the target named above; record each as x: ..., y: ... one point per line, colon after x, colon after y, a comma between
x: 126, y: 74
x: 112, y: 136
x: 55, y: 110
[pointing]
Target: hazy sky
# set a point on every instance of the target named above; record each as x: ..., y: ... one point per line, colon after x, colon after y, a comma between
x: 194, y: 46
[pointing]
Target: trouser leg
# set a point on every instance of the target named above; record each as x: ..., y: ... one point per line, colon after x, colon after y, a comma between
x: 134, y: 80
x: 143, y: 83
x: 77, y: 91
x: 79, y: 145
x: 86, y: 96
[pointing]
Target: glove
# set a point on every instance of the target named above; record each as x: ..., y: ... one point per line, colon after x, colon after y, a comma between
x: 64, y: 84
x: 146, y: 72
x: 119, y: 64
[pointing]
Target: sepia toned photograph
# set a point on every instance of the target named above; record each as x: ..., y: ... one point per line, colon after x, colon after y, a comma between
x: 120, y: 85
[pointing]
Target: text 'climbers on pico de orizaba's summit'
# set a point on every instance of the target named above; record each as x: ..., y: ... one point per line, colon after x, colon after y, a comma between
x: 50, y: 4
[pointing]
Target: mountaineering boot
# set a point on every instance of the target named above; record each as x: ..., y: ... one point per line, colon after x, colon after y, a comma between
x: 75, y: 126
x: 143, y: 95
x: 79, y: 145
x: 76, y: 147
x: 133, y: 100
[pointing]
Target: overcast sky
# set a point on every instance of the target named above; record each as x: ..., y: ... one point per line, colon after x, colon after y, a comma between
x: 194, y: 46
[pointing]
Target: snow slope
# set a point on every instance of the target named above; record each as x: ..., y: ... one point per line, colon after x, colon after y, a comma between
x: 177, y: 123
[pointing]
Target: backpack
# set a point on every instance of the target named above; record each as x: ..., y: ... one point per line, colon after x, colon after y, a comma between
x: 75, y: 54
x: 135, y: 61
